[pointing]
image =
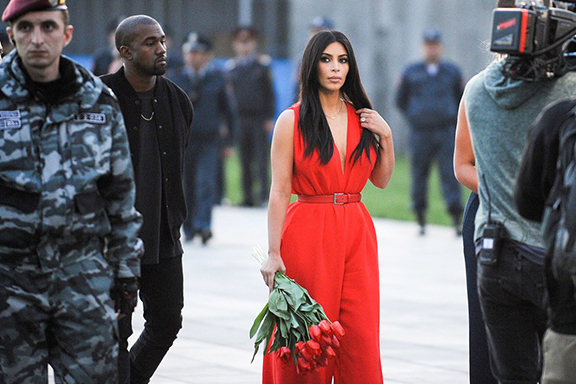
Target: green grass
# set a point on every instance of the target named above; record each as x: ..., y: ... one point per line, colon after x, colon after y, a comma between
x: 393, y: 202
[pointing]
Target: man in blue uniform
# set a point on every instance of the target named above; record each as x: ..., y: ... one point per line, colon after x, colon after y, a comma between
x: 214, y: 125
x: 251, y: 78
x: 429, y: 94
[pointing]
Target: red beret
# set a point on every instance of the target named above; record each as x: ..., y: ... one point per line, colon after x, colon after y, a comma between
x: 17, y: 8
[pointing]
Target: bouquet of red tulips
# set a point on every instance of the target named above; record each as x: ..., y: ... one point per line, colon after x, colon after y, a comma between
x: 302, y: 331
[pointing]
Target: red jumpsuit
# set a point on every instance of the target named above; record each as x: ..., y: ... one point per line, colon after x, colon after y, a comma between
x: 331, y: 251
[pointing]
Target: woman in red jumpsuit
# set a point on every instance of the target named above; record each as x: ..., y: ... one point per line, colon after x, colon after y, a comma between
x: 324, y: 150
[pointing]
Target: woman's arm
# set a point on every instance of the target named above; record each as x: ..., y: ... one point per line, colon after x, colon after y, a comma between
x: 464, y: 162
x: 282, y: 159
x: 382, y: 171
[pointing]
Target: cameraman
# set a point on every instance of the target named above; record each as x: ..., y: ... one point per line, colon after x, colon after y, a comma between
x: 494, y: 118
x: 535, y: 180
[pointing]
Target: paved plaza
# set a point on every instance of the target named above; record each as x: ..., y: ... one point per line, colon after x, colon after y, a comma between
x: 424, y: 336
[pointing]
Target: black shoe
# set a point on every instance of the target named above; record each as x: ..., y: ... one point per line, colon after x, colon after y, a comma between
x: 458, y: 230
x: 421, y: 218
x: 457, y: 221
x: 206, y: 235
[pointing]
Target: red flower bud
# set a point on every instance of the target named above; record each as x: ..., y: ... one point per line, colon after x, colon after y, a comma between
x: 325, y: 327
x: 329, y: 352
x: 315, y: 332
x: 335, y: 342
x: 284, y: 354
x: 313, y: 365
x: 314, y: 348
x: 306, y: 354
x: 299, y: 345
x: 325, y: 339
x: 337, y: 329
x: 303, y: 365
x: 322, y: 361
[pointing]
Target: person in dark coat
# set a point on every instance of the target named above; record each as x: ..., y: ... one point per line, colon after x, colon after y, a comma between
x: 106, y: 55
x: 158, y: 118
x: 252, y: 84
x: 428, y: 94
x: 214, y: 125
x: 535, y: 196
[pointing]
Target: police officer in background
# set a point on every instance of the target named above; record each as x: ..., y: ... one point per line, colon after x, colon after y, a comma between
x: 428, y: 94
x: 68, y: 225
x: 252, y: 85
x: 213, y: 128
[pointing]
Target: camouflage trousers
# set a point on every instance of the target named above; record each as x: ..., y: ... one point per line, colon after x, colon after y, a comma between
x: 62, y: 317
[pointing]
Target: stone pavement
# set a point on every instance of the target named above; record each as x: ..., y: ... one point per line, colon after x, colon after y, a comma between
x: 424, y: 336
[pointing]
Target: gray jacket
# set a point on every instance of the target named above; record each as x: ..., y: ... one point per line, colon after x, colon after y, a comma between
x: 66, y: 179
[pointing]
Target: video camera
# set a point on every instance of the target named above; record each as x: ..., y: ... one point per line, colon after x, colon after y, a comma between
x: 538, y: 37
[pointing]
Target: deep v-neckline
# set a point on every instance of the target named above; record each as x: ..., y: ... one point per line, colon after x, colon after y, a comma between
x: 342, y: 162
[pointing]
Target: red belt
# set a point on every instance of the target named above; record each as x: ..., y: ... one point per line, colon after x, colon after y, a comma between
x: 336, y: 198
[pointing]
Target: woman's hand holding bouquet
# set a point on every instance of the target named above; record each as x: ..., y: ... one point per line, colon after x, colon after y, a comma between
x: 302, y: 331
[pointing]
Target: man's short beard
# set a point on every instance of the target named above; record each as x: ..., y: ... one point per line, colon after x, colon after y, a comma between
x: 151, y: 71
x: 159, y: 71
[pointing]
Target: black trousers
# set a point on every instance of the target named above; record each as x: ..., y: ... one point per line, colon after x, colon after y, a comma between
x: 512, y: 300
x: 478, y: 351
x: 254, y: 147
x: 162, y: 294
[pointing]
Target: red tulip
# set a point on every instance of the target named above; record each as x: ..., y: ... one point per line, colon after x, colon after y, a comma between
x: 284, y: 354
x: 306, y: 354
x: 325, y: 339
x: 315, y: 332
x: 314, y: 348
x: 303, y: 365
x: 299, y: 345
x: 322, y: 361
x: 337, y: 329
x: 329, y: 352
x: 335, y: 342
x: 313, y: 366
x: 325, y: 327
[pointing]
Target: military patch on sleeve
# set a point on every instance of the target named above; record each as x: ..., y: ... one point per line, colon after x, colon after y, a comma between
x: 94, y: 118
x: 10, y: 120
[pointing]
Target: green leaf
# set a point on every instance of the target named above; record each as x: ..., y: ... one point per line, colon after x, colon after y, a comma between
x: 265, y: 332
x: 258, y: 321
x: 277, y: 304
x: 284, y: 329
x: 307, y: 307
x: 294, y: 320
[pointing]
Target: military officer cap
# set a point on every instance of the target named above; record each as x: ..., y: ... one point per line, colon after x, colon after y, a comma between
x: 17, y: 8
x: 198, y: 43
x: 432, y: 36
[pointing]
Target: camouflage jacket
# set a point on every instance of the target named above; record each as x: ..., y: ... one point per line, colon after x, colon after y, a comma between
x: 66, y: 178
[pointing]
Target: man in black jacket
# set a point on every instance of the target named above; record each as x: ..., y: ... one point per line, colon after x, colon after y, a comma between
x: 534, y: 185
x: 158, y: 118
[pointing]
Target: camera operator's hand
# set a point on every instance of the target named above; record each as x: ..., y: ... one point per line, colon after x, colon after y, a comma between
x: 124, y: 293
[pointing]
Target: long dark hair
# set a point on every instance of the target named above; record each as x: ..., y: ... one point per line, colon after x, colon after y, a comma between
x: 312, y: 122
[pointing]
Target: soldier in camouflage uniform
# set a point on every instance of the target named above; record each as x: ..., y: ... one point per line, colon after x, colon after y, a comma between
x: 68, y: 227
